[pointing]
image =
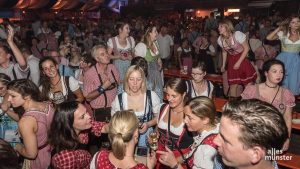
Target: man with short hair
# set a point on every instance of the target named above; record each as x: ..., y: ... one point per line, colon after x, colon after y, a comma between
x: 33, y: 63
x: 17, y: 70
x: 210, y: 23
x: 100, y: 83
x: 165, y: 42
x: 249, y: 132
x: 100, y: 89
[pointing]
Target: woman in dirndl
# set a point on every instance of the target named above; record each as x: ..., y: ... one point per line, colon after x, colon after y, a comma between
x: 148, y: 49
x: 120, y: 48
x: 235, y: 50
x: 289, y: 35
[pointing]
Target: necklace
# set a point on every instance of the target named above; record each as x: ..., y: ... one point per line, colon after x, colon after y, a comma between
x: 200, y: 86
x: 270, y: 86
x: 56, y: 82
x: 176, y: 112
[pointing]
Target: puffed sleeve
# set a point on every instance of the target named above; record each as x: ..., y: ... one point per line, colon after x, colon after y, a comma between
x: 249, y: 92
x: 289, y: 98
x: 132, y: 41
x: 115, y: 106
x: 240, y: 37
x: 109, y: 43
x: 220, y: 42
x: 156, y: 103
x: 280, y: 34
x: 204, y: 157
x: 140, y: 50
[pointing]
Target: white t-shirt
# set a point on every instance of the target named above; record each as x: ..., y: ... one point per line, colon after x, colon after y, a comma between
x: 165, y: 42
x: 115, y: 106
x: 240, y: 37
x: 77, y: 75
x: 33, y: 63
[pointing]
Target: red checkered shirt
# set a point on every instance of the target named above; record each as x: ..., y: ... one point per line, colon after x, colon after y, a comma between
x: 91, y: 82
x: 77, y: 159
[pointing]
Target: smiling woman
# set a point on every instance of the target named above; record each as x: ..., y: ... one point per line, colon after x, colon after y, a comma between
x: 200, y: 119
x: 120, y: 48
x: 69, y: 130
x: 145, y: 103
x: 172, y: 132
x: 57, y: 88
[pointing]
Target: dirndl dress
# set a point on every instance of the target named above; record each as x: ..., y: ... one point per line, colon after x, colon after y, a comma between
x: 291, y: 59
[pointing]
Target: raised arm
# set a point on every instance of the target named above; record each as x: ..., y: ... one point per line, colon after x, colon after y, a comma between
x: 5, y: 106
x: 16, y: 51
x: 273, y: 35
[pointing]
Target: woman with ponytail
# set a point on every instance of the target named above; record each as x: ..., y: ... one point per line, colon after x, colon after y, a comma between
x: 123, y: 135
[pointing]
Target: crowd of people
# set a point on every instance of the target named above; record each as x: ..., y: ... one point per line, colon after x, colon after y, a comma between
x: 91, y: 96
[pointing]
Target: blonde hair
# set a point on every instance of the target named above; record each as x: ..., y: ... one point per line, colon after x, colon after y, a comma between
x: 203, y: 107
x: 121, y: 129
x: 129, y: 71
x: 228, y: 25
x: 285, y: 24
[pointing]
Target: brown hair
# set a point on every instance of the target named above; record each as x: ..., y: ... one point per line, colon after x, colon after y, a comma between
x: 260, y: 123
x: 202, y: 107
x: 285, y: 24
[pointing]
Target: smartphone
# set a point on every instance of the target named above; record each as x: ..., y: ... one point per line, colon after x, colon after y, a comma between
x: 142, y: 151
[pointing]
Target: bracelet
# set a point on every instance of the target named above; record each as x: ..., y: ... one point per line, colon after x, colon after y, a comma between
x: 101, y: 90
x: 176, y: 166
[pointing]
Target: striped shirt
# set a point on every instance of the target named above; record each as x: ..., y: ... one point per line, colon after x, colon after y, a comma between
x: 91, y: 82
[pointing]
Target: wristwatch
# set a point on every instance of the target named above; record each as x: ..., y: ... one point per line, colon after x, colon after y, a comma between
x: 101, y: 90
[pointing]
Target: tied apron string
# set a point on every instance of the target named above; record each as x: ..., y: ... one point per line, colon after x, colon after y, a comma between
x: 175, y: 144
